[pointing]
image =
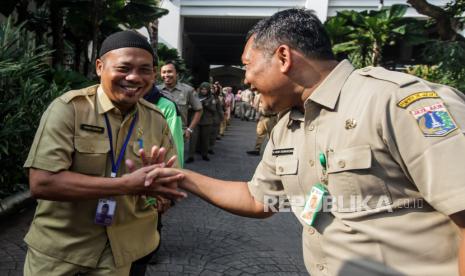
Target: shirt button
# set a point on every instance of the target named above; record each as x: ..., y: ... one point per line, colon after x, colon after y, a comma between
x: 312, y: 163
x: 320, y: 266
x: 311, y: 127
x: 281, y: 169
x: 311, y: 231
x: 92, y: 148
x: 341, y: 163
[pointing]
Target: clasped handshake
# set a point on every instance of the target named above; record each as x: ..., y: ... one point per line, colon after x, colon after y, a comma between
x: 156, y: 177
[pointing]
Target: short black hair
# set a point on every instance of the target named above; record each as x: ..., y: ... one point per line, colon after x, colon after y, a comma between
x: 173, y: 63
x: 300, y: 29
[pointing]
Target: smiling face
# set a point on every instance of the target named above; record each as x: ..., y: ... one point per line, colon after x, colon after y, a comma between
x: 264, y: 73
x: 126, y: 74
x: 169, y: 75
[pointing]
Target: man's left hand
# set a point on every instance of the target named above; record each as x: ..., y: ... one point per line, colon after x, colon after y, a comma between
x: 187, y: 135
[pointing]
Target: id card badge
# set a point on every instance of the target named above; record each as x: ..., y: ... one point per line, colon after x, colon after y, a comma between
x: 105, y: 211
x: 313, y: 204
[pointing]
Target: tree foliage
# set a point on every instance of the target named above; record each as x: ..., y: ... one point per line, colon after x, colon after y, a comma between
x: 364, y: 35
x: 80, y: 23
x: 445, y: 22
x: 444, y: 54
x: 444, y: 64
x: 170, y: 54
x: 26, y: 88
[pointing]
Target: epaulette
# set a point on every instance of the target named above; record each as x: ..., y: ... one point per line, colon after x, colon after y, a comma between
x: 150, y: 106
x: 167, y: 95
x: 170, y: 98
x: 401, y: 79
x: 187, y: 86
x: 88, y: 91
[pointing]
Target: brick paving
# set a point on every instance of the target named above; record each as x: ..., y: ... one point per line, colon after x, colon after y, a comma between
x: 198, y: 238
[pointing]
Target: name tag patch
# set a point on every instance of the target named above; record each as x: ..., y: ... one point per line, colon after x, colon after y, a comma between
x: 415, y: 97
x: 92, y: 128
x: 434, y: 120
x: 286, y: 151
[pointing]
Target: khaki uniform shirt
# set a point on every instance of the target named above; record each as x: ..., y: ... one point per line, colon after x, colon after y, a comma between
x: 247, y: 96
x: 394, y: 175
x: 209, y: 114
x: 72, y: 136
x: 261, y: 109
x: 184, y: 97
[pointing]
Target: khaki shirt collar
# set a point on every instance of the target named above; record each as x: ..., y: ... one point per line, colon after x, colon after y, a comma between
x: 327, y: 93
x: 104, y: 103
x: 176, y: 87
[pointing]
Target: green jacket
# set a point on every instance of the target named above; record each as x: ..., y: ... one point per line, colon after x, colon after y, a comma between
x: 172, y: 116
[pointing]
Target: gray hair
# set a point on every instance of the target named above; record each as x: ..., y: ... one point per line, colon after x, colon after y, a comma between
x: 300, y: 29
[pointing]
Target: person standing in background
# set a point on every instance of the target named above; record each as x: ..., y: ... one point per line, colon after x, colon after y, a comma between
x: 173, y: 118
x: 246, y: 100
x: 266, y: 122
x: 217, y: 117
x: 255, y: 107
x: 203, y: 130
x: 183, y: 95
x: 238, y: 104
x: 228, y: 103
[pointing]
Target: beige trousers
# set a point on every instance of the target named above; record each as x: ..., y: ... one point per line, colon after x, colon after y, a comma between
x: 37, y: 263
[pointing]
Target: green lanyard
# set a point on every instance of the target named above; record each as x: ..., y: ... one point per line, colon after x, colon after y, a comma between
x: 324, y: 165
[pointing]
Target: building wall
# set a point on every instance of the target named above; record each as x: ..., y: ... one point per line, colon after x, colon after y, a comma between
x: 170, y: 26
x: 360, y: 5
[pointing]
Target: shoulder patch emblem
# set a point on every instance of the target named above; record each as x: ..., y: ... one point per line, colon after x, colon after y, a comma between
x: 415, y: 97
x: 434, y: 120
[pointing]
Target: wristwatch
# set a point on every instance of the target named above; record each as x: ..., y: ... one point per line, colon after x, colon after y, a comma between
x: 189, y: 129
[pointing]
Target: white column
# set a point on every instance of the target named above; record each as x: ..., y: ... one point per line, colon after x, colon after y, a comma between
x: 169, y: 26
x: 319, y: 6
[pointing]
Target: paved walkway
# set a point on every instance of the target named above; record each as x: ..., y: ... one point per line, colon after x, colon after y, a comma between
x: 200, y: 239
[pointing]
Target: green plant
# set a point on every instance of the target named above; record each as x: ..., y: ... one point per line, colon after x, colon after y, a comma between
x: 426, y: 72
x: 449, y: 57
x: 165, y: 54
x: 364, y: 35
x: 25, y: 91
x: 80, y: 23
x: 67, y: 79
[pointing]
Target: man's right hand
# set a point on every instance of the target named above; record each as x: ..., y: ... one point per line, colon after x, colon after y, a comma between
x: 163, y: 183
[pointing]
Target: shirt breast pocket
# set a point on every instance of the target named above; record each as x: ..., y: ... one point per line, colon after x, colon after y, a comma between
x: 90, y: 155
x: 287, y: 167
x: 353, y: 183
x: 134, y: 155
x: 181, y: 99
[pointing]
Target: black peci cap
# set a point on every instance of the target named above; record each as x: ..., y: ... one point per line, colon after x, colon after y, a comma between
x: 126, y: 39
